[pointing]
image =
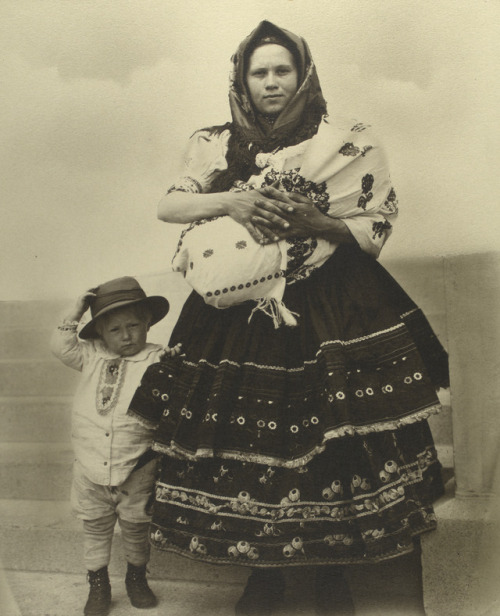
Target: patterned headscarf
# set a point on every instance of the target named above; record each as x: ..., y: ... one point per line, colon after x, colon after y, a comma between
x: 296, y: 123
x: 309, y: 90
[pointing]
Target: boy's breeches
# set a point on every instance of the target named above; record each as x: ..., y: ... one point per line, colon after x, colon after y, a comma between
x: 101, y: 506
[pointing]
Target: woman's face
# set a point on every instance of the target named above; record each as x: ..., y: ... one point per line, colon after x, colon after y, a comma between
x: 272, y: 78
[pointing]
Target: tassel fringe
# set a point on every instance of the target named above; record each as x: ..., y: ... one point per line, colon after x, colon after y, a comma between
x: 277, y: 310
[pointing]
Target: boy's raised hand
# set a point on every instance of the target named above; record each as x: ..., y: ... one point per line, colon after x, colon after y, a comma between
x: 82, y: 305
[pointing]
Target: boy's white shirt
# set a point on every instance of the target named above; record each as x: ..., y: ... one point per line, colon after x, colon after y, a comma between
x: 107, y: 445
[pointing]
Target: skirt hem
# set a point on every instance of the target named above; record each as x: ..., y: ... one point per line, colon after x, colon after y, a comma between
x: 303, y: 563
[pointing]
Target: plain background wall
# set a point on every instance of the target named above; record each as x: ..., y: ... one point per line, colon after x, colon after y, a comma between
x: 99, y: 98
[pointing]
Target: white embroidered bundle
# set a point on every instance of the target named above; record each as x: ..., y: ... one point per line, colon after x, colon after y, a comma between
x: 226, y: 266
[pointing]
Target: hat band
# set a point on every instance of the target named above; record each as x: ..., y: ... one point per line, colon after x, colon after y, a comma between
x: 105, y: 300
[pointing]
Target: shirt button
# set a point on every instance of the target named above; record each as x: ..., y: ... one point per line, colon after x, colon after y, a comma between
x: 105, y: 464
x: 107, y: 433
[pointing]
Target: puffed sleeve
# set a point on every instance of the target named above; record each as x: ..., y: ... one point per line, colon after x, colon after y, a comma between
x: 204, y: 158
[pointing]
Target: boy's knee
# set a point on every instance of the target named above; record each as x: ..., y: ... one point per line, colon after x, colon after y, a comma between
x: 100, y: 526
x: 134, y: 529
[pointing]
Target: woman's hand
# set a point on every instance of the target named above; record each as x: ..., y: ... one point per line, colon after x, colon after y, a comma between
x: 303, y: 217
x: 297, y: 210
x: 259, y: 214
x: 268, y: 214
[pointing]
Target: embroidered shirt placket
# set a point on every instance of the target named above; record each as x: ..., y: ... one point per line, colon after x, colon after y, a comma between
x: 110, y: 383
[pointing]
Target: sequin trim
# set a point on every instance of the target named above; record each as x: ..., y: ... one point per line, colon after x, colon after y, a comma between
x: 176, y: 451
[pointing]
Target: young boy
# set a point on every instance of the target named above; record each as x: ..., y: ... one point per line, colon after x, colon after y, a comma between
x: 114, y: 468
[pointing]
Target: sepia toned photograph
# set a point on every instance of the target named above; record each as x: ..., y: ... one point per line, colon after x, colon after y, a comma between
x: 249, y: 308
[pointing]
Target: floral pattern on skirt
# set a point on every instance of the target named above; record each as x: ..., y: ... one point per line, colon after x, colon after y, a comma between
x: 350, y: 504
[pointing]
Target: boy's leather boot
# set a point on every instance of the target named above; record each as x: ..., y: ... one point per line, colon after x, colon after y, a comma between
x: 99, y: 600
x: 138, y: 591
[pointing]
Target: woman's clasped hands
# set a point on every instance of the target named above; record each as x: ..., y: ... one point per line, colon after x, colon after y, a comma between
x: 270, y: 214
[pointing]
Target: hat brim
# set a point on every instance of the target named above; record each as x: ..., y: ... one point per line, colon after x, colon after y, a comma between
x: 158, y: 305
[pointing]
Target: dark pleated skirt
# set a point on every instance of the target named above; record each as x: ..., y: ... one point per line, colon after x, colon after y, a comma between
x: 304, y: 445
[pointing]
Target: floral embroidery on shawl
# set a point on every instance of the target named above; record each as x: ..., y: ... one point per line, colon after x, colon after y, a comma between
x: 349, y: 149
x: 378, y: 228
x: 300, y: 248
x: 366, y: 186
x: 391, y: 203
x: 293, y: 181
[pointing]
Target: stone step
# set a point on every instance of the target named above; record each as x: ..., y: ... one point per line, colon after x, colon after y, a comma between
x: 43, y: 470
x: 25, y: 343
x: 44, y: 538
x: 39, y: 471
x: 63, y: 594
x: 35, y: 419
x: 34, y: 313
x: 60, y: 594
x: 461, y: 559
x: 37, y: 377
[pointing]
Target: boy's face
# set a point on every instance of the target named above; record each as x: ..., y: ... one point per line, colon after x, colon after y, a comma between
x: 123, y: 332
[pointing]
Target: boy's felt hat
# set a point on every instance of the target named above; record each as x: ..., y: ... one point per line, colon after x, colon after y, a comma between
x: 119, y: 293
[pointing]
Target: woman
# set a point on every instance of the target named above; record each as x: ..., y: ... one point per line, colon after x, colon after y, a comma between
x: 306, y: 445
